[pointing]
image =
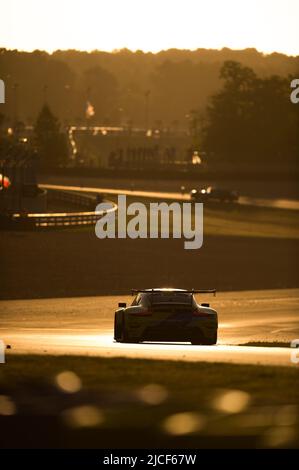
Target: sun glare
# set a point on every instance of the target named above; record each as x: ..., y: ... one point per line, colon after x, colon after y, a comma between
x: 267, y: 25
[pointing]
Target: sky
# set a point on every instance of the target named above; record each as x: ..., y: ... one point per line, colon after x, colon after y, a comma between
x: 150, y: 25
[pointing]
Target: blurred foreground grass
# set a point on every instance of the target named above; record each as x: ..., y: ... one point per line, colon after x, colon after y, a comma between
x: 200, y: 403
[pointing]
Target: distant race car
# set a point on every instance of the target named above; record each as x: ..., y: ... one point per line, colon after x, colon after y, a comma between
x: 166, y: 315
x: 214, y: 194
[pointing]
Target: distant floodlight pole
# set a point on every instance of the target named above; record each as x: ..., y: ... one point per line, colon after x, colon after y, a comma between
x: 68, y: 90
x: 16, y: 103
x: 147, y: 109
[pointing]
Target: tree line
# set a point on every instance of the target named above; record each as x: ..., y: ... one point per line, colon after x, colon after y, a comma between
x: 236, y: 112
x: 124, y: 87
x: 251, y: 120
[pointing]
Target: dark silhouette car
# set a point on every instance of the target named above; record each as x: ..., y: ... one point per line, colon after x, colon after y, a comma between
x: 166, y: 315
x: 214, y: 194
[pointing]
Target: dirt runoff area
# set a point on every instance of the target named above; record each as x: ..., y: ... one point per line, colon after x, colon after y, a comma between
x: 76, y: 263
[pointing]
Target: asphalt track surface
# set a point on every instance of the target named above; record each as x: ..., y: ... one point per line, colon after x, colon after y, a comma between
x: 289, y: 204
x: 84, y: 326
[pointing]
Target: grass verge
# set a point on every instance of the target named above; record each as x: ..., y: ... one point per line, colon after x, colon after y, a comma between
x: 90, y: 401
x: 267, y: 344
x: 240, y: 220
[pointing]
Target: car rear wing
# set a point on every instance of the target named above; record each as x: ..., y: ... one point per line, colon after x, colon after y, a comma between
x: 158, y: 291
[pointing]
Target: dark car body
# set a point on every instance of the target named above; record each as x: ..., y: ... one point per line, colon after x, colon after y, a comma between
x: 166, y: 315
x: 214, y: 194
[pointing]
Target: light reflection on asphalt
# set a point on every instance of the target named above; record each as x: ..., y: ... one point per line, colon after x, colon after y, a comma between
x: 104, y: 345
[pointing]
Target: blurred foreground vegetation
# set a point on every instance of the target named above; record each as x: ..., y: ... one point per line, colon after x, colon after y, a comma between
x: 129, y: 400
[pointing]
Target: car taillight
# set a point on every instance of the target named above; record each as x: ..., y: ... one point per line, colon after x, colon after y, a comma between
x: 198, y: 313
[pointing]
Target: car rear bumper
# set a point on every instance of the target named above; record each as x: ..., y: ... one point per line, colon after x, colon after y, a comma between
x: 172, y: 333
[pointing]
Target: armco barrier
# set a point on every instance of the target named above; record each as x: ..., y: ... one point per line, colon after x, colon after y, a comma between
x: 32, y: 221
x: 60, y: 219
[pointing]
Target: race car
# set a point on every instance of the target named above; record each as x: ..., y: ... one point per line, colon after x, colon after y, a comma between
x: 166, y: 315
x: 214, y: 194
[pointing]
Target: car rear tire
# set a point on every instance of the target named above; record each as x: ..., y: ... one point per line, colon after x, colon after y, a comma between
x: 210, y: 341
x: 120, y: 332
x: 118, y: 321
x: 199, y: 339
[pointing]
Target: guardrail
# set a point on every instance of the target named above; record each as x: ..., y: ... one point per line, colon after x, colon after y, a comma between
x: 60, y: 219
x: 31, y: 221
